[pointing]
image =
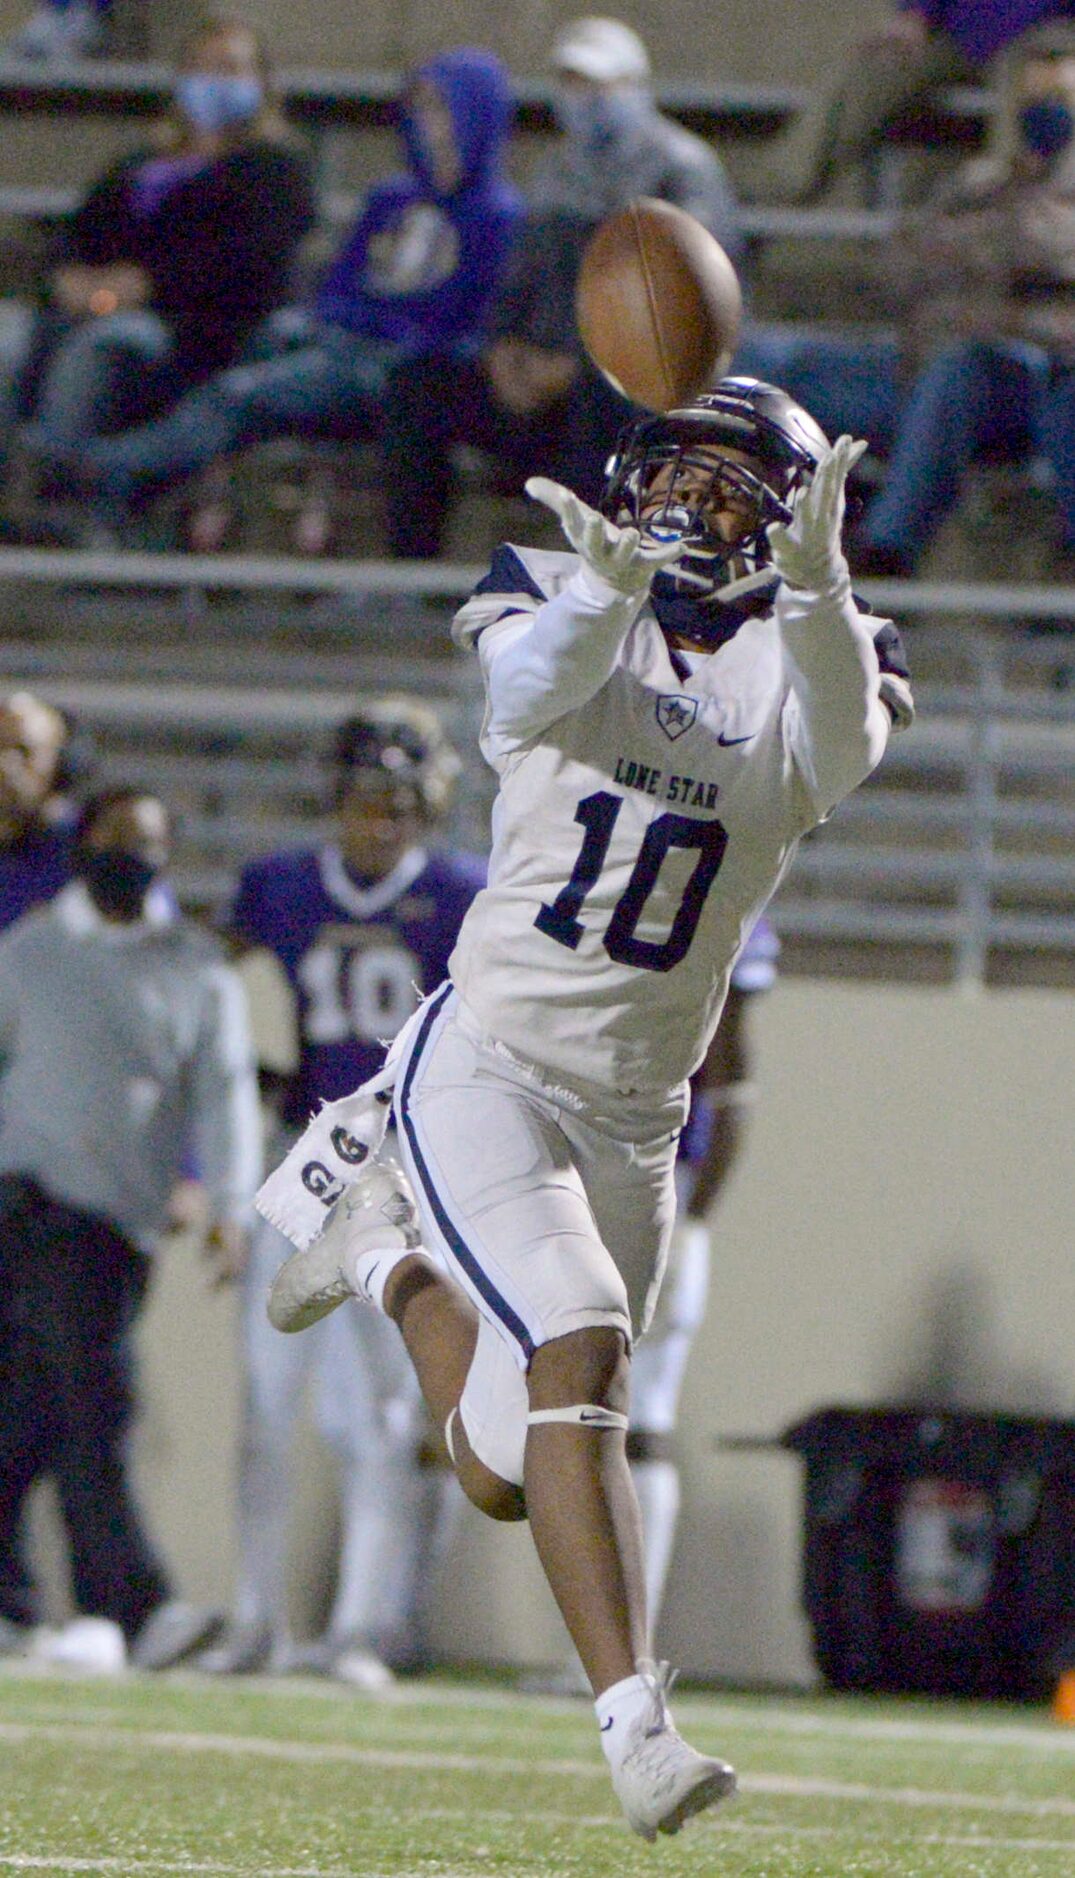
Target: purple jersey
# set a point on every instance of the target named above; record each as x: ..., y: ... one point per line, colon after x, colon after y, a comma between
x: 754, y: 970
x: 358, y: 957
x: 34, y: 869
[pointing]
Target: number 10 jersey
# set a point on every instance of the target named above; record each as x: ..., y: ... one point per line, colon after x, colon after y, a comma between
x: 643, y: 821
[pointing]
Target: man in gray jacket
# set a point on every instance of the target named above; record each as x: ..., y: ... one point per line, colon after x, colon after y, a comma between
x: 123, y: 1044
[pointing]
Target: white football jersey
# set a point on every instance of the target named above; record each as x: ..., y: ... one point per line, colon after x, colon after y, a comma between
x: 646, y: 810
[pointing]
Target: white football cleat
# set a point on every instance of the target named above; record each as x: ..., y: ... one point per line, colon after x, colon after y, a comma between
x: 375, y: 1213
x: 661, y: 1782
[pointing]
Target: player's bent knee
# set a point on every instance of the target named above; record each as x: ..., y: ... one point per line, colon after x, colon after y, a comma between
x: 494, y: 1496
x: 589, y: 1366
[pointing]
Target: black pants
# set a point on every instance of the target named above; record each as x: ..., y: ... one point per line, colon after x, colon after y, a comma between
x: 71, y: 1287
x: 435, y: 402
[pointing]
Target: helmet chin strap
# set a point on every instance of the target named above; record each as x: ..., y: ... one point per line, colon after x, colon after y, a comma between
x: 749, y: 583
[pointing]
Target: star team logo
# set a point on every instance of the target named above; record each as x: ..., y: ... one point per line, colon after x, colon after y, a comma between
x: 676, y: 715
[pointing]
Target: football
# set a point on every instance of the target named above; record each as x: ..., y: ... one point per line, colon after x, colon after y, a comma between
x: 658, y: 304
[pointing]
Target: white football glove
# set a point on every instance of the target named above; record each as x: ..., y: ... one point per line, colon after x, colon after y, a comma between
x: 807, y: 551
x: 616, y: 554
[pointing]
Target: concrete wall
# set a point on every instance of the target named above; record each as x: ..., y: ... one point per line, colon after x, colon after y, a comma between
x: 903, y: 1212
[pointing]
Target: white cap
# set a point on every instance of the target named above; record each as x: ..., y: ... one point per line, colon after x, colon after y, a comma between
x: 602, y: 50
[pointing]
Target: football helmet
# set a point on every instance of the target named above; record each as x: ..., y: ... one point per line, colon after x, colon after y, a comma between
x: 400, y: 741
x: 664, y: 479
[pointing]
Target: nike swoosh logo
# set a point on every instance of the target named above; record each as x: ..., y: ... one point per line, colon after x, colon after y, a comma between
x: 606, y: 1725
x: 727, y: 742
x: 591, y: 1418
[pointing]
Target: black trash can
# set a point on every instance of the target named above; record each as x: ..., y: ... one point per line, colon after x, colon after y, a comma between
x: 938, y: 1550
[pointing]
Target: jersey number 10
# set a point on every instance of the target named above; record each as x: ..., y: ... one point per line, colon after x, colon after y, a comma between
x: 597, y: 814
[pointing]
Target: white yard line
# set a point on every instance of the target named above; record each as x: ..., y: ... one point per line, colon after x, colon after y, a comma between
x: 1046, y: 1738
x: 196, y: 1868
x: 723, y: 1825
x: 259, y: 1747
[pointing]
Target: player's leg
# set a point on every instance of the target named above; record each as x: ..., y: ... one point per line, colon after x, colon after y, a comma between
x: 369, y: 1410
x: 275, y: 1371
x: 657, y: 1373
x: 516, y: 1228
x: 371, y: 1249
x: 581, y: 1502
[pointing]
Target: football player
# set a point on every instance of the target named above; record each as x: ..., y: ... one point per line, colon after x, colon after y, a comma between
x: 362, y: 926
x: 671, y: 706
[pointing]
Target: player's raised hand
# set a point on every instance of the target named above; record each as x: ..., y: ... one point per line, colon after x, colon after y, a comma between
x: 807, y: 551
x: 618, y: 555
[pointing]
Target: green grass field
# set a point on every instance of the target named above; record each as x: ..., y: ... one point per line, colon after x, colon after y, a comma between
x: 296, y: 1779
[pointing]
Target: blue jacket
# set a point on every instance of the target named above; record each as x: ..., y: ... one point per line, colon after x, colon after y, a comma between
x: 421, y: 267
x: 982, y: 27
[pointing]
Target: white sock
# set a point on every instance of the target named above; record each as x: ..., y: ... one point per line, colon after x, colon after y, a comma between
x: 370, y: 1271
x: 617, y: 1708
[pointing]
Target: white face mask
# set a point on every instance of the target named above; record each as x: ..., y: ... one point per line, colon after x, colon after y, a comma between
x: 599, y: 120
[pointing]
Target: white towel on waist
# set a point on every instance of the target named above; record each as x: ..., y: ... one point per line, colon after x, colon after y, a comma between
x: 332, y: 1150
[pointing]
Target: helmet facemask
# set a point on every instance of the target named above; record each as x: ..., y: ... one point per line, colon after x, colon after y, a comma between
x: 681, y: 474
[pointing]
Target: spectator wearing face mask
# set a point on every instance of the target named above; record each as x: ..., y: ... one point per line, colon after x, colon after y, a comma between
x: 921, y: 46
x: 417, y: 272
x: 616, y: 144
x: 60, y: 31
x: 530, y: 396
x: 175, y: 257
x: 123, y: 1036
x: 980, y: 358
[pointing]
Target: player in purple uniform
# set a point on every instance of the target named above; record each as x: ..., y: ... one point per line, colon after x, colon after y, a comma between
x: 362, y: 928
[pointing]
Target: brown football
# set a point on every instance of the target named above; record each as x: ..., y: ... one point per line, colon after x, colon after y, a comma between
x: 658, y: 304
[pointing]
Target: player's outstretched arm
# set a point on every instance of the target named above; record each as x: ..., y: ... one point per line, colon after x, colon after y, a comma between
x: 567, y: 649
x: 838, y: 724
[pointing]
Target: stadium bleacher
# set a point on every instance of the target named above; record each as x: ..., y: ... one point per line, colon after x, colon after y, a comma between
x: 955, y: 863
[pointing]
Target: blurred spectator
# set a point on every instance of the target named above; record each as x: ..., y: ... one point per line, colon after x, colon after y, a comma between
x: 40, y: 752
x: 175, y: 258
x: 362, y: 925
x: 418, y: 272
x: 59, y: 31
x: 530, y: 399
x: 982, y: 363
x: 923, y: 45
x: 122, y: 1034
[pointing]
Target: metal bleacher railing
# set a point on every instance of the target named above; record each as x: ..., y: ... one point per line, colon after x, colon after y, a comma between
x: 961, y: 848
x: 320, y: 103
x: 321, y: 100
